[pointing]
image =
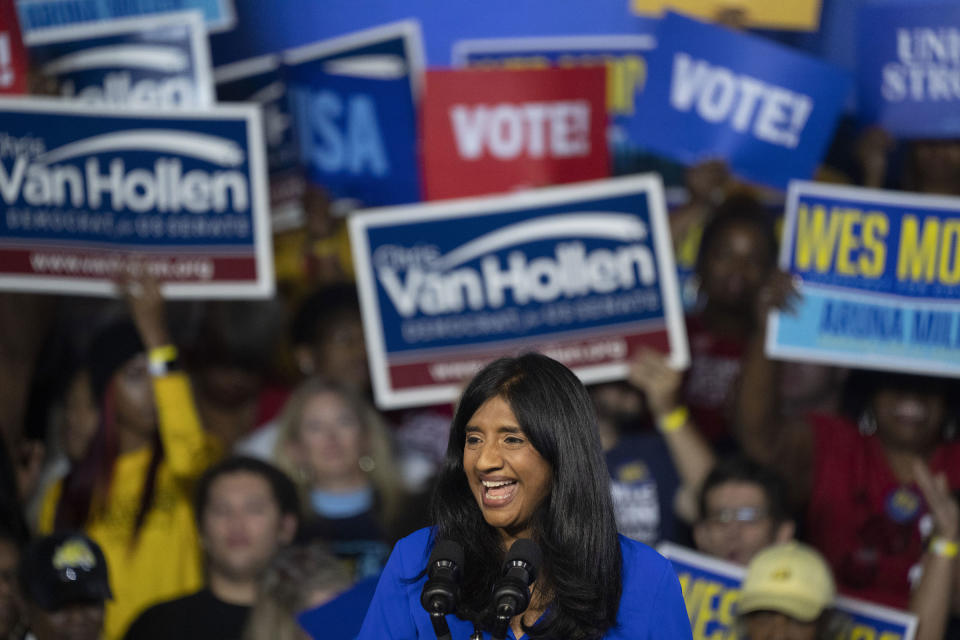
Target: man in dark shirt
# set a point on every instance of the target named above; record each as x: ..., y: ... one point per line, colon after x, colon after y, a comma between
x: 246, y: 511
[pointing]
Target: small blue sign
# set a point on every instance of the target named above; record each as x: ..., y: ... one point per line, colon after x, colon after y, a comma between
x: 153, y: 61
x: 908, y: 68
x: 43, y: 14
x: 260, y: 81
x: 711, y: 589
x: 715, y: 93
x: 881, y: 279
x: 352, y: 103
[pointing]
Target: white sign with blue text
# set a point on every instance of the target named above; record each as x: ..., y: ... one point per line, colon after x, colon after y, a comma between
x: 880, y: 277
x: 158, y: 61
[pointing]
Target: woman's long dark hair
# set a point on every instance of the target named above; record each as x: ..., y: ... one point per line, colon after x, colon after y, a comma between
x: 574, y: 525
x: 87, y: 485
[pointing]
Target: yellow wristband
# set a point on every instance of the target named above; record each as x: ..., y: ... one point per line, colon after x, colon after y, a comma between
x: 674, y: 420
x: 166, y: 353
x: 162, y: 360
x: 944, y: 547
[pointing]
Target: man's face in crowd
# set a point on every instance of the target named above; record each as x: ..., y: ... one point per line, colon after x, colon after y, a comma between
x: 737, y: 523
x: 242, y: 525
x: 78, y: 621
x: 772, y: 625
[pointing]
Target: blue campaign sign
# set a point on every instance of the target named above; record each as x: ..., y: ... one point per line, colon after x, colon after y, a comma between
x: 260, y: 81
x: 881, y: 279
x: 357, y: 136
x: 158, y: 61
x: 711, y: 590
x: 35, y: 15
x: 584, y: 273
x: 352, y: 100
x: 715, y: 93
x: 624, y: 57
x: 908, y: 69
x: 90, y: 193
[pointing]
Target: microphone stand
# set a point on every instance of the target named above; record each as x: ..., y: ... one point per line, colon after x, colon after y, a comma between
x: 440, y: 626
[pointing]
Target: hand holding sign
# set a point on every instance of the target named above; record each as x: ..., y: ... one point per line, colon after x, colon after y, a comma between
x: 943, y: 506
x: 651, y: 372
x: 147, y: 308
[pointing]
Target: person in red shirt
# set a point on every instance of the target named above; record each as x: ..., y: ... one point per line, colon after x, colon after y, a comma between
x: 737, y: 252
x: 877, y: 485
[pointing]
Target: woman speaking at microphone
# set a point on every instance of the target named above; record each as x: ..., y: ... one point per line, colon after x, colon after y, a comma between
x: 524, y: 461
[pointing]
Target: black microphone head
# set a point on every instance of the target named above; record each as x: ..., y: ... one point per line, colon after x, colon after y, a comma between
x: 526, y: 551
x: 446, y: 550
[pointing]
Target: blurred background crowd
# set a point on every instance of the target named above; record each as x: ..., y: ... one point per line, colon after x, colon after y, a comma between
x: 214, y: 468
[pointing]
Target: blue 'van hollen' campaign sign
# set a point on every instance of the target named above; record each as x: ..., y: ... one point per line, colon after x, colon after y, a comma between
x: 352, y: 100
x: 160, y: 61
x: 35, y: 15
x: 715, y: 93
x: 260, y: 81
x: 582, y: 272
x: 908, y: 68
x: 881, y: 279
x: 89, y: 193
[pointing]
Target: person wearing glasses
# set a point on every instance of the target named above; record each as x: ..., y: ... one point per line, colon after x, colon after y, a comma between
x: 743, y: 509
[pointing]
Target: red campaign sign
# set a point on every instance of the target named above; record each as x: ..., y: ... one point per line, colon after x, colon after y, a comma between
x: 487, y: 131
x: 13, y: 55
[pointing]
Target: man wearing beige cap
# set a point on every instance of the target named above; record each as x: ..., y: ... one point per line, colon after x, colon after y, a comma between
x: 787, y: 594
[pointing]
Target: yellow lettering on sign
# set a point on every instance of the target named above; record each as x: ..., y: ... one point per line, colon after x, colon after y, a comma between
x: 876, y: 226
x: 949, y: 262
x: 817, y: 235
x: 917, y: 257
x: 625, y: 76
x: 861, y: 632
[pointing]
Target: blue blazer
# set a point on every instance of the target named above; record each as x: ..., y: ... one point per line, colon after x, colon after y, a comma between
x: 651, y: 607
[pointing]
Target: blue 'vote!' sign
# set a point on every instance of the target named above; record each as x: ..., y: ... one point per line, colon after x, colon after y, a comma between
x: 352, y: 103
x: 908, y: 68
x: 881, y: 279
x: 158, y: 61
x: 714, y: 93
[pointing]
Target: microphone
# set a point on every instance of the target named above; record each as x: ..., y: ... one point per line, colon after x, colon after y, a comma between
x: 511, y: 594
x: 442, y: 589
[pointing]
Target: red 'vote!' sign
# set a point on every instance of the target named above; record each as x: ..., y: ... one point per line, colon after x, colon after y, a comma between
x: 13, y: 57
x: 487, y: 131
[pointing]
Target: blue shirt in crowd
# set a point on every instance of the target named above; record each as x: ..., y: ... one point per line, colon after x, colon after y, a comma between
x: 651, y: 607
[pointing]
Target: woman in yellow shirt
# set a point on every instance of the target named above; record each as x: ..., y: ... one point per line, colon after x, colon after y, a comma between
x: 133, y: 491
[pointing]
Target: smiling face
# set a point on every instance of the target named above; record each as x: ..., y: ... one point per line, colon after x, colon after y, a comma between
x: 910, y: 418
x: 508, y: 477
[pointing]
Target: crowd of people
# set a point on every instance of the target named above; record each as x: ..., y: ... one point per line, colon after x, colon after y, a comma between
x: 214, y: 469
